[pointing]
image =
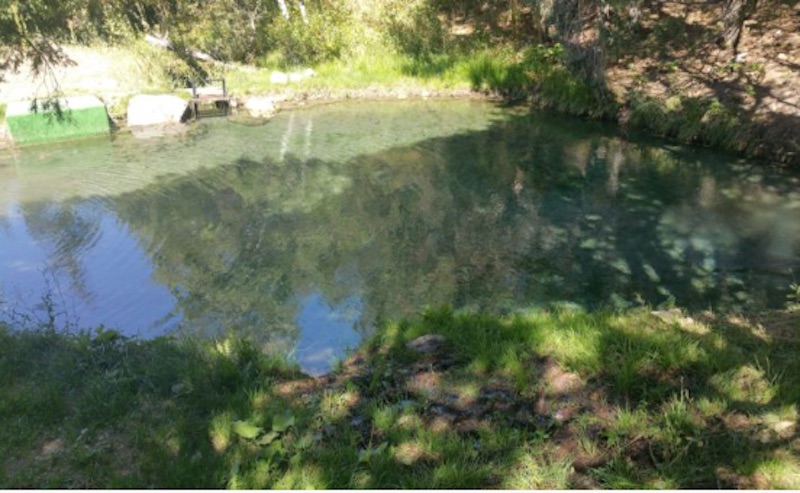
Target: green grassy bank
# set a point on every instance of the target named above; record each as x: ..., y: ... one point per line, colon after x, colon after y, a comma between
x: 551, y: 399
x: 542, y: 77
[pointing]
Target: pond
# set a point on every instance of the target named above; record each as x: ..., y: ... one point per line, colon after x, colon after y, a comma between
x: 308, y: 231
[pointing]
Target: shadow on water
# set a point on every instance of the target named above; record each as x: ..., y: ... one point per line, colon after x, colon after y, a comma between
x: 530, y: 211
x: 301, y: 254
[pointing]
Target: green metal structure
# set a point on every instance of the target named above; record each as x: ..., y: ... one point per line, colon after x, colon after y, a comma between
x: 80, y: 117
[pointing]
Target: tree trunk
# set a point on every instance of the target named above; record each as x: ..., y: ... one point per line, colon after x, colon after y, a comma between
x: 733, y: 16
x: 284, y: 10
x: 302, y: 7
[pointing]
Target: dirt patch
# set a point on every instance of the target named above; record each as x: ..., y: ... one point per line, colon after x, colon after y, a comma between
x: 51, y: 448
x: 675, y: 53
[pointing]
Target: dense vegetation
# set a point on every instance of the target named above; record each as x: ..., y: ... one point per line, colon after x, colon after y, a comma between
x: 698, y: 74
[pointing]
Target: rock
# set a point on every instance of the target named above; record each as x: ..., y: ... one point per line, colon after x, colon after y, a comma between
x: 782, y: 57
x: 278, y: 78
x: 260, y: 107
x: 741, y: 57
x: 160, y: 109
x: 284, y: 78
x: 426, y: 344
x: 298, y: 76
x: 673, y: 315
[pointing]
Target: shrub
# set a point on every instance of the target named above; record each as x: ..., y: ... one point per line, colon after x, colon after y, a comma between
x: 328, y: 34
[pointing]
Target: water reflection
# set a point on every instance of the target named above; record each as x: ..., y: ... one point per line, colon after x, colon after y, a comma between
x: 327, y: 221
x: 80, y: 266
x: 326, y: 331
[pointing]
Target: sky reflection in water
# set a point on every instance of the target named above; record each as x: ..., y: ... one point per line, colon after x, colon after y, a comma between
x: 306, y: 232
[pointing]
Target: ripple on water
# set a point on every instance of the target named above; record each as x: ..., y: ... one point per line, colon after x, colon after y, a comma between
x: 305, y: 232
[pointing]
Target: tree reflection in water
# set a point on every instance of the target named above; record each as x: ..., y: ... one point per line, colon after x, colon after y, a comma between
x: 526, y: 212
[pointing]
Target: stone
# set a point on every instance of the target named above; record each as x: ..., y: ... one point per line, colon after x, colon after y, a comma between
x: 782, y: 57
x: 260, y: 107
x: 674, y: 315
x: 284, y: 78
x: 426, y: 344
x: 304, y: 74
x: 156, y: 109
x: 278, y: 78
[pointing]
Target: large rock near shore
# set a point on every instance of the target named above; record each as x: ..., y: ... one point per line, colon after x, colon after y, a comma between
x: 260, y: 107
x: 160, y: 109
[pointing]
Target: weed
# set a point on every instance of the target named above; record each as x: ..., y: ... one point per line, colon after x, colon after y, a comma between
x: 661, y: 407
x: 793, y: 298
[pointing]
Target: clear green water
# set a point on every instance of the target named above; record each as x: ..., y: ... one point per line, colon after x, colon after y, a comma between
x: 306, y: 232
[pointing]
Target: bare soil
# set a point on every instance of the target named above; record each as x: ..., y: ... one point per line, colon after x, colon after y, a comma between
x: 675, y: 51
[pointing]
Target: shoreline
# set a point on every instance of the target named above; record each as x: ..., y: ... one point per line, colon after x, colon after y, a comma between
x: 747, y: 139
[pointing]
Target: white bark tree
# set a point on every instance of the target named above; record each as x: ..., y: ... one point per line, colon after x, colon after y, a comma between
x: 300, y: 5
x: 284, y: 9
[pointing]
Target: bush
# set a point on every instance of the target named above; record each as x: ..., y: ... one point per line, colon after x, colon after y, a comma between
x: 413, y: 27
x: 688, y: 120
x: 328, y: 34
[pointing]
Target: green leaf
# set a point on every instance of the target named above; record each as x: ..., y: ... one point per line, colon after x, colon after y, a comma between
x: 246, y: 430
x: 274, y: 449
x: 268, y: 438
x: 283, y: 422
x: 305, y: 441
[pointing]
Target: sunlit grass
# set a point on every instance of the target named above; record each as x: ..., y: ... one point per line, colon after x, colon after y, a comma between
x: 646, y: 404
x: 379, y: 68
x: 539, y: 469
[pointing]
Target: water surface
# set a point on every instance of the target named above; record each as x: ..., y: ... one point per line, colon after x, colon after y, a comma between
x: 306, y: 232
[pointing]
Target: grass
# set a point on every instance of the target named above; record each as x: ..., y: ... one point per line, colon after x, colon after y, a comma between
x: 385, y: 70
x: 550, y: 399
x: 703, y: 121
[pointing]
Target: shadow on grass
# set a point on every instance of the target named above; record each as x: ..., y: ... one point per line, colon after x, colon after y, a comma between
x: 552, y: 399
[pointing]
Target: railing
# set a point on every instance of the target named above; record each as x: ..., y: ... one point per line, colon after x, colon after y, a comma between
x: 207, y: 83
x: 220, y: 100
